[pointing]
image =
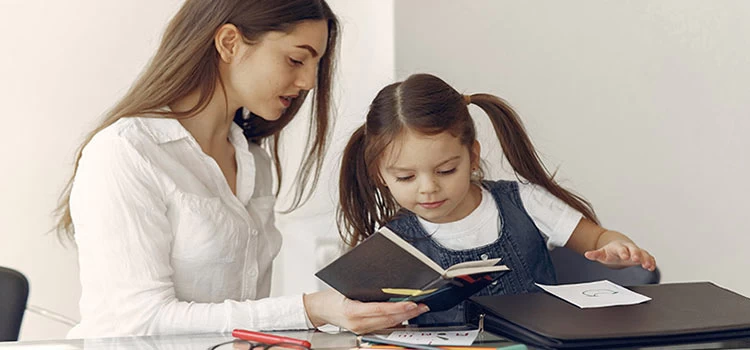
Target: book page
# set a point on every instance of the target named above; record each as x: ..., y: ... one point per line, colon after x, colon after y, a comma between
x: 475, y: 263
x: 472, y: 270
x: 410, y: 248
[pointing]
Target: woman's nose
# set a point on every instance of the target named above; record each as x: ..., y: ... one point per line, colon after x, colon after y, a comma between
x: 307, y: 76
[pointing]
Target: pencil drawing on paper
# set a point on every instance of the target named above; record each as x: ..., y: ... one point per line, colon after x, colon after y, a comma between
x: 598, y: 292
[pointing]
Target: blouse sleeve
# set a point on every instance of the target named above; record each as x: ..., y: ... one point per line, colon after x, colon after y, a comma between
x: 124, y: 244
x: 555, y: 219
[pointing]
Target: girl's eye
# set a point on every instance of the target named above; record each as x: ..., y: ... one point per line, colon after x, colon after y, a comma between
x: 295, y: 62
x: 404, y: 178
x: 446, y: 172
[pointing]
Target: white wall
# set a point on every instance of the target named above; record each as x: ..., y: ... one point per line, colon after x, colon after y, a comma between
x: 65, y: 62
x: 311, y: 239
x: 638, y: 102
x: 641, y: 104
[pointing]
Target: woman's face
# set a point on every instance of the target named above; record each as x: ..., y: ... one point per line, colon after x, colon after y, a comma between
x: 267, y: 76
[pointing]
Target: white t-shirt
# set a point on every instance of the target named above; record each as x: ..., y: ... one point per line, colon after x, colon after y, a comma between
x: 554, y: 218
x: 164, y: 246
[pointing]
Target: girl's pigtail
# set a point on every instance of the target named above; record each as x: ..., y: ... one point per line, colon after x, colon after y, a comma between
x: 357, y: 193
x: 521, y: 154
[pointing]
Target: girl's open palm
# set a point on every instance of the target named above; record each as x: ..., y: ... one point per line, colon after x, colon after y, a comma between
x: 622, y: 254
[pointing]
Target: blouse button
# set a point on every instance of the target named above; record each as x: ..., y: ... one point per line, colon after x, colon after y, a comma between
x: 254, y: 232
x: 484, y: 256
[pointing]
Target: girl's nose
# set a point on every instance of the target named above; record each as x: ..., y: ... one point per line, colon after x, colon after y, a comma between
x: 429, y: 185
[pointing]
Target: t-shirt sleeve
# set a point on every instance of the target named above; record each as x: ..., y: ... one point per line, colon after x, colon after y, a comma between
x: 555, y: 219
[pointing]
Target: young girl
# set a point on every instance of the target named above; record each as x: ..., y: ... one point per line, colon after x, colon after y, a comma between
x: 171, y: 203
x: 414, y: 167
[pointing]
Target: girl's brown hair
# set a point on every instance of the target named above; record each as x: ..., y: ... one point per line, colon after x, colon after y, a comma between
x: 187, y: 61
x: 429, y: 105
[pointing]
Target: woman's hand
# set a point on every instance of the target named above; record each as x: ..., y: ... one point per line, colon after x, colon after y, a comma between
x: 622, y: 253
x: 332, y: 307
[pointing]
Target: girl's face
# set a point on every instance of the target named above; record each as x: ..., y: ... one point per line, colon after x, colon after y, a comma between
x: 266, y: 76
x: 430, y: 175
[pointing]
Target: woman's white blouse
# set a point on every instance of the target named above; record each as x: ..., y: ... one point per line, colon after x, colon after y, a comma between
x: 164, y: 245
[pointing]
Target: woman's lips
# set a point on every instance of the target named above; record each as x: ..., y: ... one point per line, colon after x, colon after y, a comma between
x: 286, y: 101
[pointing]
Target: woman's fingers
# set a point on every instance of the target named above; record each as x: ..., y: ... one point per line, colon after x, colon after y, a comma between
x: 331, y: 307
x: 369, y: 324
x: 358, y: 309
x: 365, y: 317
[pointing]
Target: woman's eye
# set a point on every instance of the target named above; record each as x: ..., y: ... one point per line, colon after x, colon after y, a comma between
x: 446, y: 172
x: 404, y: 178
x: 295, y: 62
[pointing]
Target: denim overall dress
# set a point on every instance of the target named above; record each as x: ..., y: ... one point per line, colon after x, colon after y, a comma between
x: 519, y: 243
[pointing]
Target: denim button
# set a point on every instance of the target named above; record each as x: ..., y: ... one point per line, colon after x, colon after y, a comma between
x: 484, y: 256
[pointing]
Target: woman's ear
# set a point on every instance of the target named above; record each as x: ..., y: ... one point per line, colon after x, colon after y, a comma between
x: 227, y: 41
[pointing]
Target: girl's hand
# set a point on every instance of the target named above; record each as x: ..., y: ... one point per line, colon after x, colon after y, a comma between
x: 620, y: 253
x: 332, y: 307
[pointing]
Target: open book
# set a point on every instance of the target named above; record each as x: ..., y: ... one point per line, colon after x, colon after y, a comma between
x: 385, y: 267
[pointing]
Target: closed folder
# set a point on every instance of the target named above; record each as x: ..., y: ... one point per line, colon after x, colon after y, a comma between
x: 678, y: 313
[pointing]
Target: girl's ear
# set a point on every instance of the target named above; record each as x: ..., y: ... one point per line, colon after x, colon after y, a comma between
x: 476, y: 151
x: 227, y: 41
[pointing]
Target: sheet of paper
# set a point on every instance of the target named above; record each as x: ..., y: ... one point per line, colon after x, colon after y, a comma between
x: 435, y: 337
x: 595, y: 294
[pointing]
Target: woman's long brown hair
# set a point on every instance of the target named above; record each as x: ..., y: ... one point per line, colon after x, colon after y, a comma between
x: 429, y: 105
x: 187, y: 61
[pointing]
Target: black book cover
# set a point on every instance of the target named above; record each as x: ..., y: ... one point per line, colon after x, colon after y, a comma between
x: 386, y: 268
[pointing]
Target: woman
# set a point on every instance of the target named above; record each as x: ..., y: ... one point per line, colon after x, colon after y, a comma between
x: 171, y: 202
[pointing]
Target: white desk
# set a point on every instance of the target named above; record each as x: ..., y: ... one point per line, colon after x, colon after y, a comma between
x: 319, y: 340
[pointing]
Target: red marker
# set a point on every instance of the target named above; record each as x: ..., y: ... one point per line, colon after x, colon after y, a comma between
x: 266, y: 338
